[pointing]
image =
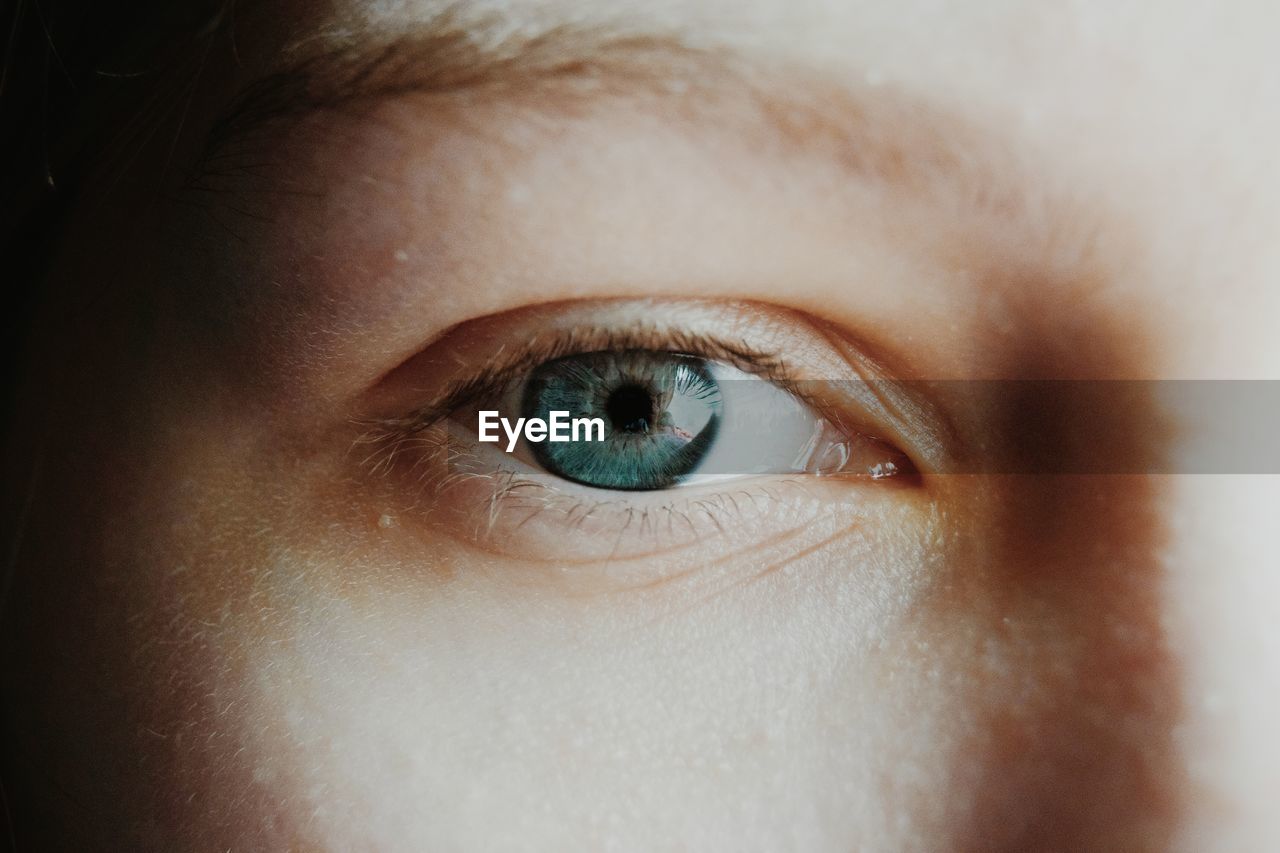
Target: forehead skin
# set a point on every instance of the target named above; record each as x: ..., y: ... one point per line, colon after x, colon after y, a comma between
x: 1163, y: 118
x: 1152, y: 124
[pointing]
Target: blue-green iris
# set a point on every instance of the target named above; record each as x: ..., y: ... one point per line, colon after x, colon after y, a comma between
x: 661, y: 412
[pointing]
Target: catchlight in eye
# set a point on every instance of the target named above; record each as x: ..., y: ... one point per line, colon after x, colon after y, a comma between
x: 661, y: 412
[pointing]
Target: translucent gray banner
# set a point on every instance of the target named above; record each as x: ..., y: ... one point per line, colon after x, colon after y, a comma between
x: 825, y: 427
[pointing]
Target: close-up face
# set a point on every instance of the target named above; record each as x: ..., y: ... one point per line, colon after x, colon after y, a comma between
x: 923, y: 502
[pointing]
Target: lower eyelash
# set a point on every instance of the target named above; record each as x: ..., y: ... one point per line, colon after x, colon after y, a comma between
x: 576, y: 511
x: 449, y: 477
x: 475, y: 493
x: 648, y: 528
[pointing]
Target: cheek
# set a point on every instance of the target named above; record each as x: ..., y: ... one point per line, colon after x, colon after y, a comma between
x: 426, y: 713
x: 916, y: 690
x: 254, y: 661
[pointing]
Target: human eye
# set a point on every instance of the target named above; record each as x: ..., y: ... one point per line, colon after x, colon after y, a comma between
x: 670, y: 418
x: 716, y: 422
x: 667, y: 419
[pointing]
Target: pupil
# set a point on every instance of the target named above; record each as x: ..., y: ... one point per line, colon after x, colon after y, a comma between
x: 630, y: 409
x: 662, y: 413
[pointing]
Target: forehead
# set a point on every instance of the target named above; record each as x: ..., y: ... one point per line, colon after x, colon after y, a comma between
x: 1161, y: 115
x: 1128, y: 87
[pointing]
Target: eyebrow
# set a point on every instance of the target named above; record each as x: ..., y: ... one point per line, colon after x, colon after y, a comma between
x: 447, y: 56
x: 877, y: 132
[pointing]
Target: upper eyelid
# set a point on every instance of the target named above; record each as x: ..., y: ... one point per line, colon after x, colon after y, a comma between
x: 517, y: 362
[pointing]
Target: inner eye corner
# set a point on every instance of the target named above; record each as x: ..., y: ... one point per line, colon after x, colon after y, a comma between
x: 906, y: 472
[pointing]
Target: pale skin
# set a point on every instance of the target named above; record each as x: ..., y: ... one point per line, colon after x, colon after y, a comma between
x: 236, y: 633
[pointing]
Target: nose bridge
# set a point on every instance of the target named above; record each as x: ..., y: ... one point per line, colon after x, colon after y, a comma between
x: 1080, y: 720
x: 1081, y: 725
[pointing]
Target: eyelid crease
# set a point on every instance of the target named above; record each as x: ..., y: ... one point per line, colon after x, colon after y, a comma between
x: 896, y: 401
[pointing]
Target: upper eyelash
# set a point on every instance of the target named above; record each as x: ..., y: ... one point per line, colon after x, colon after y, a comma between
x: 512, y: 365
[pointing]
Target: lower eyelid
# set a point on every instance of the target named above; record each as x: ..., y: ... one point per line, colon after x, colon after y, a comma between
x: 508, y: 508
x: 704, y: 556
x: 523, y: 515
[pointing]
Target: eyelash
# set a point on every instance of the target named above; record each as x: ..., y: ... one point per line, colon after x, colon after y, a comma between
x: 408, y: 435
x: 511, y: 488
x: 492, y: 496
x: 512, y: 366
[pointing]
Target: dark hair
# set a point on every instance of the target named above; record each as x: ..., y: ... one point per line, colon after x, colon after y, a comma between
x: 85, y: 85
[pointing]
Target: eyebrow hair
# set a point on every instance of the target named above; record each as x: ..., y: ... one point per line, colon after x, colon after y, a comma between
x: 448, y: 56
x: 876, y: 132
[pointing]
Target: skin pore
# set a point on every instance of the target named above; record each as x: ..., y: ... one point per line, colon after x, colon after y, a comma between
x: 237, y: 624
